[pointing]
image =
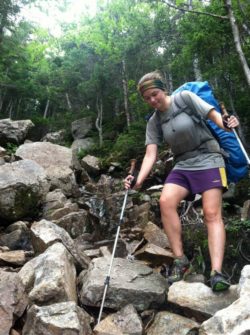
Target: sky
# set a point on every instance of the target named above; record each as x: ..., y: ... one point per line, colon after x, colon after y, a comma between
x: 50, y: 16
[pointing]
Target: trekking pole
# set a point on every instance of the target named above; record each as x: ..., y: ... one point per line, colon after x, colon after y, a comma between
x: 224, y: 112
x: 107, y: 280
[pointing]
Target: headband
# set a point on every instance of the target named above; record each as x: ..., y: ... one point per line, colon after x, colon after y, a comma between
x: 152, y: 83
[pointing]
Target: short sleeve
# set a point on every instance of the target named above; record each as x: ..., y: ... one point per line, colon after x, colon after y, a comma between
x: 153, y: 131
x: 196, y: 103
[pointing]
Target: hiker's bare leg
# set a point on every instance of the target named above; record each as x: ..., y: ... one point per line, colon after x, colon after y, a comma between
x: 212, y: 202
x: 170, y: 198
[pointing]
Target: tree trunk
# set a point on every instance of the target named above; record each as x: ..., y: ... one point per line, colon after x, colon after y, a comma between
x: 237, y: 42
x: 116, y: 107
x: 125, y: 93
x: 45, y: 114
x: 1, y: 102
x: 197, y: 70
x: 98, y: 122
x: 9, y: 109
x: 169, y: 82
x: 68, y: 102
x: 18, y: 107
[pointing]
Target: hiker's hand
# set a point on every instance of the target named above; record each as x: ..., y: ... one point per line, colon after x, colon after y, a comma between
x: 230, y: 122
x: 130, y: 182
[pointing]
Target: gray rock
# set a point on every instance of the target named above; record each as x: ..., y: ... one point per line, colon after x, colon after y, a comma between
x: 50, y: 277
x: 14, y: 131
x: 55, y: 159
x: 126, y: 321
x: 23, y: 186
x: 91, y: 164
x: 234, y: 319
x: 13, y: 300
x: 45, y: 233
x: 171, y: 324
x: 130, y: 283
x: 16, y: 239
x: 64, y: 318
x: 80, y: 128
x: 199, y: 300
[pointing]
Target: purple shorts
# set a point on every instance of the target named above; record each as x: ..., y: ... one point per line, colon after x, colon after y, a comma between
x: 198, y: 181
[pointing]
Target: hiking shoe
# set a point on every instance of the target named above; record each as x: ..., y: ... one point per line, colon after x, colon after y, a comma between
x: 180, y: 269
x: 218, y: 282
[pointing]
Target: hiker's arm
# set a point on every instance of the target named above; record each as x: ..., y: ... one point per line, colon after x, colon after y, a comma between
x: 147, y: 164
x: 216, y: 117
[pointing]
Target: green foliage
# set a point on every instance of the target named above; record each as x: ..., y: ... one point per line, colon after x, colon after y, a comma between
x: 11, y: 148
x: 77, y: 70
x: 130, y: 144
x: 238, y: 226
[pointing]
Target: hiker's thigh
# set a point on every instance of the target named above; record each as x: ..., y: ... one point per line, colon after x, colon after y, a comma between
x: 212, y: 203
x: 171, y: 196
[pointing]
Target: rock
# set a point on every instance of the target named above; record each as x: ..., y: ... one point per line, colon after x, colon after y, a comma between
x: 244, y: 282
x: 246, y: 210
x: 13, y: 300
x: 56, y: 160
x: 171, y: 324
x: 81, y: 144
x: 14, y: 131
x: 91, y: 164
x: 130, y: 283
x: 50, y: 277
x: 198, y: 300
x: 154, y: 255
x: 56, y: 137
x: 235, y: 319
x: 45, y: 233
x: 16, y: 258
x: 80, y: 128
x: 16, y: 237
x: 23, y: 186
x: 126, y: 321
x: 64, y: 318
x: 75, y: 223
x: 59, y: 213
x: 153, y: 234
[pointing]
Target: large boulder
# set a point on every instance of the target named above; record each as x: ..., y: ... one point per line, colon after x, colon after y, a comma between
x: 55, y: 159
x: 198, y: 300
x: 50, y: 277
x: 81, y: 128
x: 23, y: 185
x: 234, y: 319
x: 131, y: 283
x: 14, y: 131
x: 64, y: 318
x: 13, y: 300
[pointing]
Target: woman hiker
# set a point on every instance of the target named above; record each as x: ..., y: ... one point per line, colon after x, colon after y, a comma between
x: 199, y: 169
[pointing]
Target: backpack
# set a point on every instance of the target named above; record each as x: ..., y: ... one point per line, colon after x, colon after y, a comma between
x: 235, y: 159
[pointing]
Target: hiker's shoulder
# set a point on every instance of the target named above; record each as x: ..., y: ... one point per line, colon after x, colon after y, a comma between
x: 184, y: 95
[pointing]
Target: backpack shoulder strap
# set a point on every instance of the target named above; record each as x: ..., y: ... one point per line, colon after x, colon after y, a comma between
x: 183, y: 106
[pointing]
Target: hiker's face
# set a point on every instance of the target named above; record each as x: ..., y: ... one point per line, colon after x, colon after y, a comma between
x: 156, y: 98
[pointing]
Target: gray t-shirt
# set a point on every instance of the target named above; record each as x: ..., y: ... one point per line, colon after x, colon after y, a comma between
x: 186, y: 138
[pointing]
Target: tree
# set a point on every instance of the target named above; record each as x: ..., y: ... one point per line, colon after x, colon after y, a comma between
x: 185, y: 7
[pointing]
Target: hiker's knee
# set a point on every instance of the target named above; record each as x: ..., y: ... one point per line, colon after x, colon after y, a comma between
x: 211, y: 215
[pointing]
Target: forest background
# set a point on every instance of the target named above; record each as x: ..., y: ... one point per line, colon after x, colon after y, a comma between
x: 93, y: 67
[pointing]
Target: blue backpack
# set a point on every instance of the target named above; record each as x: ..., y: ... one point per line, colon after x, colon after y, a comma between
x: 236, y: 162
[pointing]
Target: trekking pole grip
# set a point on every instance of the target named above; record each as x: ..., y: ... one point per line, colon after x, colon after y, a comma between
x: 132, y: 166
x: 225, y: 115
x: 224, y: 112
